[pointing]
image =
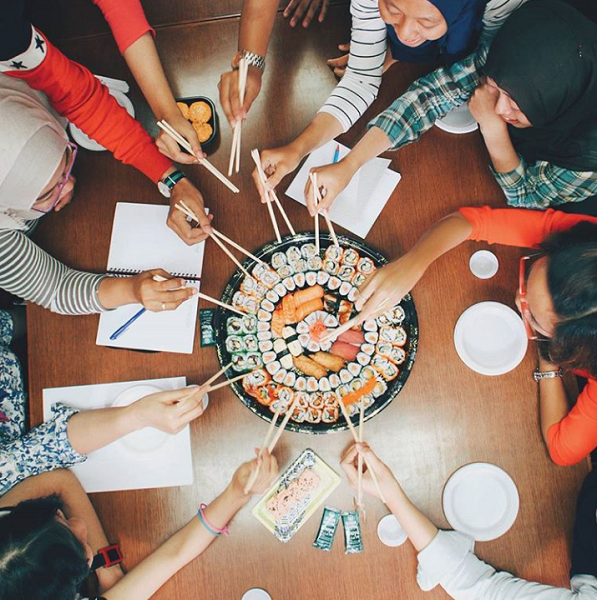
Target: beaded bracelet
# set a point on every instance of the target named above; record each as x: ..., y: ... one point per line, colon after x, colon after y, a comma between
x: 217, y: 531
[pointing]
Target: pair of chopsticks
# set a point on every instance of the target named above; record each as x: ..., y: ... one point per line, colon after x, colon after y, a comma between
x: 360, y: 505
x: 270, y: 444
x: 271, y: 196
x: 217, y: 237
x: 316, y: 201
x: 163, y: 125
x: 211, y: 388
x: 243, y: 67
x: 334, y: 333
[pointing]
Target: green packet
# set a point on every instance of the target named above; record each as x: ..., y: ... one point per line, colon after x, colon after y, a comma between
x: 206, y: 329
x: 327, y: 529
x: 353, y: 541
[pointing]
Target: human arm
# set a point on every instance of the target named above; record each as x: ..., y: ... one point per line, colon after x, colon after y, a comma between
x: 190, y: 541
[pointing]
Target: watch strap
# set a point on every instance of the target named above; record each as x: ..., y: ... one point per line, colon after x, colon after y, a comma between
x: 107, y: 557
x: 172, y: 179
x: 539, y: 375
x: 253, y: 59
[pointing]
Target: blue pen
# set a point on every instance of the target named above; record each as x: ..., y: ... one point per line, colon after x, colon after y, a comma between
x: 337, y: 153
x: 124, y: 327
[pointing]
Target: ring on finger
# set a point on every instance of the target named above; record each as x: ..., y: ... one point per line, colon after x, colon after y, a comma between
x: 163, y: 306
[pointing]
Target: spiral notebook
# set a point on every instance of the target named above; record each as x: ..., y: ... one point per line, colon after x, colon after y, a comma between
x: 142, y: 240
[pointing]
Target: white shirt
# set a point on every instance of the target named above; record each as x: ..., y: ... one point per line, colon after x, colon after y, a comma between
x: 449, y: 561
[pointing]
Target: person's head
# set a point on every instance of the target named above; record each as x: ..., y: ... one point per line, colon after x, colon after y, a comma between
x: 43, y: 555
x: 561, y: 297
x: 35, y: 157
x: 414, y: 21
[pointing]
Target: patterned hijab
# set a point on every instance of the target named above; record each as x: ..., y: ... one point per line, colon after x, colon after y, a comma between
x: 32, y: 144
x: 545, y: 57
x: 465, y: 21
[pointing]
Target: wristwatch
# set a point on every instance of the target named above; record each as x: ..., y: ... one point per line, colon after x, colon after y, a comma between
x: 107, y: 557
x: 253, y: 60
x: 539, y: 375
x: 167, y: 184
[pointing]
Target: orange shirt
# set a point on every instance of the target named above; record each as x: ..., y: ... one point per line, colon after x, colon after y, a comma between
x: 575, y: 436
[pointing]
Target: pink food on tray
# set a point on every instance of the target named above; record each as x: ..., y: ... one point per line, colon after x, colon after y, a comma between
x: 281, y: 504
x: 347, y: 351
x: 353, y: 336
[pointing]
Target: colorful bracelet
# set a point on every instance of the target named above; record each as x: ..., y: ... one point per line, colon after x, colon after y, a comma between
x: 217, y: 531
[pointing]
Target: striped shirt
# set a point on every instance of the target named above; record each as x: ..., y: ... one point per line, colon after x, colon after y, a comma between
x: 30, y: 273
x: 357, y: 90
x: 536, y: 185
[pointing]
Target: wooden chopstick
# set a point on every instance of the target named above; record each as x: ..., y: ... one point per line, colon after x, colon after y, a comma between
x: 237, y: 246
x: 280, y: 431
x: 235, y: 148
x: 222, y: 304
x: 334, y: 333
x: 227, y: 382
x: 202, y: 161
x: 356, y: 439
x: 282, y: 212
x: 272, y: 216
x: 218, y: 374
x: 316, y: 218
x: 328, y: 221
x: 360, y: 459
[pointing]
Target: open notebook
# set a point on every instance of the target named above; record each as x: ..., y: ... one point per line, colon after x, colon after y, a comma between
x: 141, y: 240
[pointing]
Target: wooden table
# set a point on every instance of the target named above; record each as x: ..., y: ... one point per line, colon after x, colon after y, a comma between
x: 445, y: 417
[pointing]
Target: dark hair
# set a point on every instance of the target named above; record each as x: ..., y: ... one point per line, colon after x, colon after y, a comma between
x: 572, y: 281
x: 40, y: 558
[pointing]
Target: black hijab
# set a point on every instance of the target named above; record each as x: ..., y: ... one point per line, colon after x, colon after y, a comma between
x: 545, y: 57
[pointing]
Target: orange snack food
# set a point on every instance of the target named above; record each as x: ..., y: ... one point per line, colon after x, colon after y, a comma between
x: 307, y: 308
x: 278, y: 322
x: 289, y: 309
x: 204, y: 131
x: 328, y: 361
x: 309, y: 367
x: 184, y: 109
x: 308, y: 294
x: 199, y: 112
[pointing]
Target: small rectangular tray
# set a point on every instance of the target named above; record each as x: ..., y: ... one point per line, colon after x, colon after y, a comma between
x: 290, y: 524
x: 214, y: 115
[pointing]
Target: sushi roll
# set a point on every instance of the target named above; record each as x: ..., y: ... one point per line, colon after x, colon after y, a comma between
x: 235, y: 344
x: 251, y: 343
x: 250, y: 305
x: 289, y: 284
x: 239, y: 362
x: 301, y: 265
x: 276, y: 406
x: 255, y: 379
x: 368, y: 349
x: 370, y: 325
x: 309, y: 250
x: 334, y: 380
x: 293, y: 254
x: 263, y: 326
x: 312, y: 384
x: 299, y: 415
x: 383, y: 320
x: 249, y: 324
x: 260, y: 290
x: 331, y: 267
x: 299, y: 279
x: 345, y: 273
x: 280, y: 289
x: 358, y: 279
x: 350, y: 257
x: 259, y: 270
x: 302, y: 327
x: 269, y: 356
x: 304, y: 339
x: 365, y: 266
x: 316, y: 400
x: 286, y: 396
x: 234, y: 326
x: 253, y: 360
x: 313, y: 346
x: 397, y: 315
x: 333, y: 253
x: 278, y: 260
x: 264, y: 315
x: 401, y: 336
x: 345, y: 376
x: 330, y: 414
x: 381, y: 387
x: 267, y: 305
x: 311, y: 278
x: 285, y: 271
x: 264, y: 335
x: 334, y: 283
x: 314, y: 263
x: 387, y: 369
x: 270, y: 278
x: 266, y: 346
x: 325, y: 385
x: 322, y: 277
x: 367, y: 400
x: 290, y: 379
x: 368, y: 373
x: 354, y: 368
x: 352, y: 295
x: 389, y: 334
x: 292, y: 342
x: 248, y: 285
x: 300, y: 384
x: 273, y: 367
x: 314, y: 415
x: 239, y: 300
x: 272, y: 296
x: 363, y: 358
x: 394, y: 353
x: 330, y: 399
x: 345, y: 288
x: 279, y: 376
x: 371, y: 337
x: 356, y: 384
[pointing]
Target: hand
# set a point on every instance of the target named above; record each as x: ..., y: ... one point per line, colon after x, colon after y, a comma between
x: 482, y: 106
x: 387, y: 482
x: 230, y: 94
x: 276, y: 164
x: 188, y: 232
x: 169, y: 411
x: 170, y: 148
x: 300, y: 6
x: 160, y: 295
x: 333, y: 179
x: 388, y: 285
x: 68, y: 192
x: 268, y: 471
x: 339, y: 64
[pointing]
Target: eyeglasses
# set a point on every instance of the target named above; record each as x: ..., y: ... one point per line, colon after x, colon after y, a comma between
x: 527, y: 315
x: 48, y: 201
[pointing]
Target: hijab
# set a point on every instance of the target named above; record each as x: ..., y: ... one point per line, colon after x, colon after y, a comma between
x: 465, y: 21
x: 545, y: 58
x: 32, y: 145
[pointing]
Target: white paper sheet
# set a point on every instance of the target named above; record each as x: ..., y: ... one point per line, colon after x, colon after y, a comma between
x: 357, y: 207
x: 116, y: 466
x: 141, y: 240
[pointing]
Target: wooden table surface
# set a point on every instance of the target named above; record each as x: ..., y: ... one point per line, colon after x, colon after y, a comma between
x: 445, y: 417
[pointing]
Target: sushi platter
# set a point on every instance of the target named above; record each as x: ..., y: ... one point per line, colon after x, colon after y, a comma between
x: 292, y: 299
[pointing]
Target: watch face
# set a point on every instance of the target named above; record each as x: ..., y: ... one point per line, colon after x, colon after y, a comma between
x: 164, y: 189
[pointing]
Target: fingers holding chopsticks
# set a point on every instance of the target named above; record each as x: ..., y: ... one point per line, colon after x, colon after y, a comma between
x: 159, y: 295
x: 191, y: 231
x: 275, y: 164
x: 331, y: 179
x: 267, y: 467
x: 170, y: 148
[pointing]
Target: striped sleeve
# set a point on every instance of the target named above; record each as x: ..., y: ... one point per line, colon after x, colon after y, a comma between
x: 30, y: 273
x: 496, y: 13
x: 358, y: 88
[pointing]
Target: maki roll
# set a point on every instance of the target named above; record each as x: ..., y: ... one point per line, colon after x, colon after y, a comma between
x: 316, y: 400
x: 290, y: 379
x: 300, y: 266
x: 239, y: 362
x: 363, y: 358
x: 273, y: 367
x: 248, y: 285
x: 259, y: 270
x: 263, y: 326
x: 314, y: 415
x: 334, y: 283
x: 309, y: 250
x: 251, y: 343
x: 387, y: 369
x: 334, y: 380
x: 354, y: 368
x: 234, y: 326
x: 333, y: 253
x: 331, y: 267
x: 368, y: 349
x: 286, y: 396
x: 266, y: 346
x: 330, y: 414
x: 300, y: 384
x: 312, y: 384
x: 264, y: 335
x: 311, y: 278
x: 289, y: 284
x: 325, y: 385
x: 260, y: 290
x: 352, y: 295
x: 273, y: 296
x: 235, y: 344
x: 370, y: 325
x: 314, y: 263
x: 394, y: 353
x: 345, y: 288
x: 269, y: 356
x: 401, y: 336
x: 299, y: 279
x: 278, y: 260
x: 371, y: 337
x: 397, y: 315
x: 358, y: 279
x: 270, y: 278
x: 322, y: 277
x: 346, y: 273
x: 381, y: 387
x: 368, y: 373
x: 264, y: 315
x: 292, y: 341
x: 345, y: 376
x: 350, y: 257
x: 365, y: 266
x: 249, y: 324
x: 279, y: 376
x: 253, y: 360
x: 280, y: 289
x: 293, y: 254
x: 285, y: 271
x: 267, y: 305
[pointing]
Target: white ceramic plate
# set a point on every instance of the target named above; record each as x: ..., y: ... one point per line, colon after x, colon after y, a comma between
x: 145, y: 440
x: 459, y: 120
x: 390, y: 532
x: 481, y: 500
x: 84, y: 140
x: 490, y: 338
x: 256, y: 594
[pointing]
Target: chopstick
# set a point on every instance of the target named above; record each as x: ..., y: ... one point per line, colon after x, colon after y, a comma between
x: 356, y: 439
x: 316, y: 217
x: 280, y: 431
x: 328, y: 222
x: 360, y: 504
x: 237, y: 246
x: 227, y: 382
x: 222, y: 304
x: 202, y: 161
x: 235, y: 149
x: 282, y: 212
x: 272, y: 216
x: 334, y: 333
x: 220, y: 372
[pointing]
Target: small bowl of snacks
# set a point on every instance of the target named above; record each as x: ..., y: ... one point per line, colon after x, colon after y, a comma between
x: 200, y: 111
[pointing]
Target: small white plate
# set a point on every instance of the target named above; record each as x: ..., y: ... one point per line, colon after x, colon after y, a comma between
x: 481, y: 500
x: 256, y: 594
x: 459, y: 120
x: 490, y: 338
x: 145, y: 440
x: 83, y: 140
x: 390, y: 532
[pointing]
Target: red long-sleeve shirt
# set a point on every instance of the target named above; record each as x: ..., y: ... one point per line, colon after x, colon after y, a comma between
x: 575, y: 436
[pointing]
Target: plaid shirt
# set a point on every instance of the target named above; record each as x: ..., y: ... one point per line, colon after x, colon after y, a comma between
x: 537, y: 185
